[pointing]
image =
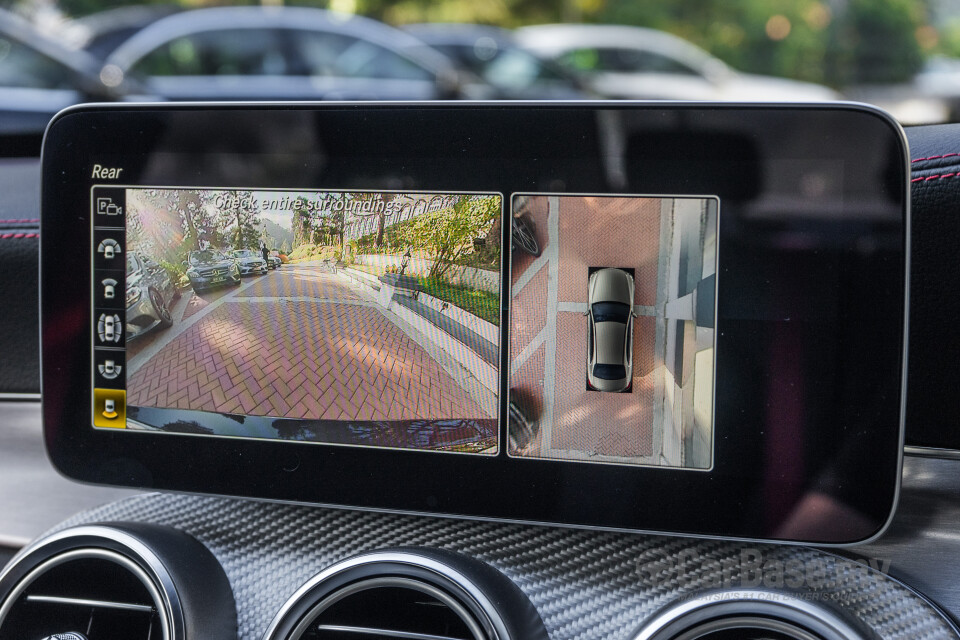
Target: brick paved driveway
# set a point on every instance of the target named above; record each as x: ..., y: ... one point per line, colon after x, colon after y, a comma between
x: 299, y: 343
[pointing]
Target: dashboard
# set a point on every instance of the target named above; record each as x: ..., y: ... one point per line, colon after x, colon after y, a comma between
x: 203, y: 566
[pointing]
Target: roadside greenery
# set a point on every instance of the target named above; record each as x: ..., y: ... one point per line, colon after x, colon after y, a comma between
x: 480, y: 303
x: 447, y: 234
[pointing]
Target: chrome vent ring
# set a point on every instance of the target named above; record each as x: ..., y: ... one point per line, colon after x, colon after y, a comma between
x: 415, y: 594
x: 68, y: 608
x: 143, y: 580
x: 752, y: 615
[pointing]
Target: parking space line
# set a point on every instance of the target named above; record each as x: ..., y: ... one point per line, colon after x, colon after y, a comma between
x: 552, y: 253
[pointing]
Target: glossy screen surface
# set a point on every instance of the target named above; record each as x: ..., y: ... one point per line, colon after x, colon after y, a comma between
x: 748, y: 386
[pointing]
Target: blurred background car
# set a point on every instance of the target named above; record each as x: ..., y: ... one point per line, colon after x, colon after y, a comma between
x: 282, y: 53
x: 638, y: 63
x: 38, y: 78
x: 492, y: 54
x: 100, y: 33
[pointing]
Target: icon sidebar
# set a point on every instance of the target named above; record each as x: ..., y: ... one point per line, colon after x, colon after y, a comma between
x: 109, y: 307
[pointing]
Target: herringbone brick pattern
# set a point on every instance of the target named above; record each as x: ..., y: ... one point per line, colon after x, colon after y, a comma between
x: 313, y: 360
x: 610, y: 424
x: 609, y: 232
x: 299, y: 281
x: 529, y: 312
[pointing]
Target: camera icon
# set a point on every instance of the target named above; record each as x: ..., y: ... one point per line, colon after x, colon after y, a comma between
x: 105, y: 206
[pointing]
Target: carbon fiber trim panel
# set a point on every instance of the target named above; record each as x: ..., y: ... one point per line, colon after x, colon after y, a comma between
x: 586, y: 585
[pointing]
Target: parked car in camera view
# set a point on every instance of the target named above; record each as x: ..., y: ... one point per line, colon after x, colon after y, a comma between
x: 638, y: 63
x: 207, y: 269
x: 250, y: 262
x: 275, y: 53
x: 610, y: 330
x: 151, y: 293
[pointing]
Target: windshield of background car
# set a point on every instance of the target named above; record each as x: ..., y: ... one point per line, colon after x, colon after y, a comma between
x: 234, y: 52
x: 21, y: 66
x: 619, y: 60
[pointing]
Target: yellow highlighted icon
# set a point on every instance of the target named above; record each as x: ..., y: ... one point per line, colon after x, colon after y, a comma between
x: 110, y: 408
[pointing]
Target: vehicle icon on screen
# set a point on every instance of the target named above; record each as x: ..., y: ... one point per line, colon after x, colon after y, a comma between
x: 109, y: 248
x: 109, y: 328
x: 110, y: 409
x: 109, y: 288
x: 109, y: 369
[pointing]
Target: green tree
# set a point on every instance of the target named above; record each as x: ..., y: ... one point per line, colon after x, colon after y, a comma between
x: 875, y: 41
x: 447, y: 234
x: 240, y: 220
x: 302, y: 223
x: 195, y: 212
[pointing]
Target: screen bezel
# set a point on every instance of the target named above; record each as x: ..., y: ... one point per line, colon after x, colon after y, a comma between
x: 590, y: 495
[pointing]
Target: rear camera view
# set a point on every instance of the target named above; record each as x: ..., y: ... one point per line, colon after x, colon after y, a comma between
x: 355, y: 318
x: 612, y: 329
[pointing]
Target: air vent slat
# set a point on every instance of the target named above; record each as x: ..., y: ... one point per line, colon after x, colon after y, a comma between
x: 96, y: 592
x: 101, y: 604
x: 385, y: 633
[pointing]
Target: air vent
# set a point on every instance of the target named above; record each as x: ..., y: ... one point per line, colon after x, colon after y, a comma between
x: 389, y: 608
x: 122, y: 580
x: 97, y: 593
x: 747, y: 628
x: 751, y: 615
x: 416, y: 594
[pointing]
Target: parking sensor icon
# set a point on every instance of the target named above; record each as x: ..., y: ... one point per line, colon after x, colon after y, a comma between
x: 109, y: 328
x: 109, y: 369
x: 110, y: 409
x: 109, y: 248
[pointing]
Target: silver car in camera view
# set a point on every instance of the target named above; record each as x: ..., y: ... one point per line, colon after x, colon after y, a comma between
x: 150, y: 295
x: 610, y: 330
x: 250, y: 262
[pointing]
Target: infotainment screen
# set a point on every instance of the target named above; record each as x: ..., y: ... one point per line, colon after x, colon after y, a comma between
x: 648, y: 317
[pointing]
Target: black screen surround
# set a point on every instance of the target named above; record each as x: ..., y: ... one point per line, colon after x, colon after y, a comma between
x: 809, y: 301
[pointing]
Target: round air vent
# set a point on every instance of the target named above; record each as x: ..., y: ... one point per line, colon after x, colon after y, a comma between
x: 415, y: 594
x: 750, y: 615
x: 119, y: 580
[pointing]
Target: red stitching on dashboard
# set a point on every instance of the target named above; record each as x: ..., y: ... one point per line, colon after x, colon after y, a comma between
x: 20, y: 221
x: 18, y: 236
x: 936, y: 177
x: 948, y: 155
